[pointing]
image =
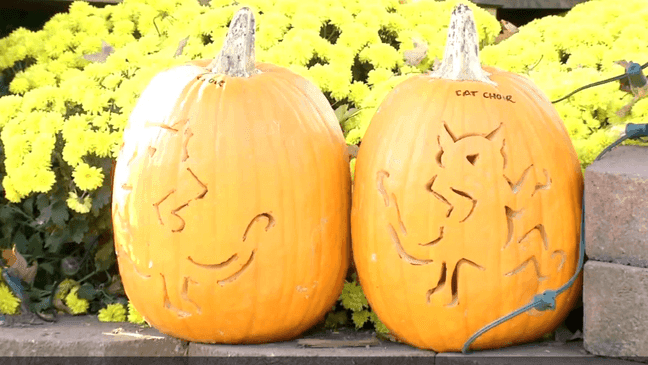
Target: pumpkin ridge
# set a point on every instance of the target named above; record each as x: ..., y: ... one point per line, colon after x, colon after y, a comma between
x: 283, y: 90
x: 292, y: 91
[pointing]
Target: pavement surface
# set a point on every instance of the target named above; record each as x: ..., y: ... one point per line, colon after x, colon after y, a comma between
x: 86, y: 340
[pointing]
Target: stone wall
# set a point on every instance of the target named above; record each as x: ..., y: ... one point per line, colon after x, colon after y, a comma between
x: 615, y: 282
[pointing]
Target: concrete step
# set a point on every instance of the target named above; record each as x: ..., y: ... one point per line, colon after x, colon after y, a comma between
x: 85, y: 336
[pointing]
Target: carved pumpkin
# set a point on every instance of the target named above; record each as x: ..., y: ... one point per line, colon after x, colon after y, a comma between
x: 466, y: 204
x: 231, y: 199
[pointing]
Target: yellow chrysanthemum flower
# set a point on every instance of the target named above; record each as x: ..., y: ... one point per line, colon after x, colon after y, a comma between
x: 124, y: 27
x: 40, y: 76
x: 64, y: 288
x: 376, y: 76
x: 78, y: 204
x: 112, y: 313
x: 358, y: 91
x: 112, y: 81
x: 76, y: 304
x: 22, y: 179
x: 9, y: 304
x: 134, y: 316
x: 20, y: 84
x: 95, y: 101
x: 9, y: 106
x: 81, y: 9
x: 73, y: 152
x: 87, y: 177
x: 44, y: 181
x: 103, y: 144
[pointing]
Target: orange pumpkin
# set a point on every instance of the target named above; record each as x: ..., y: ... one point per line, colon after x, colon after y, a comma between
x: 466, y: 204
x: 231, y: 199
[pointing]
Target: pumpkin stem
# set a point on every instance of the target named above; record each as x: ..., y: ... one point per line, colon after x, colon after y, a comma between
x: 461, y: 56
x: 236, y: 58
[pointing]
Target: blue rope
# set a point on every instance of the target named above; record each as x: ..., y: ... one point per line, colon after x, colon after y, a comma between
x: 547, y: 299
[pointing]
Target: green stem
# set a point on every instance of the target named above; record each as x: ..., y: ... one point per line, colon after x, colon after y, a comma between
x: 461, y: 56
x: 236, y: 58
x: 80, y: 281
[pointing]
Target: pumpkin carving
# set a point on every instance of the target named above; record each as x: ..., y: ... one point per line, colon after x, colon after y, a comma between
x: 466, y: 204
x: 231, y: 199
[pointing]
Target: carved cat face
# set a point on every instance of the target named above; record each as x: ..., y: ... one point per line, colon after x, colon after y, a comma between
x: 473, y: 153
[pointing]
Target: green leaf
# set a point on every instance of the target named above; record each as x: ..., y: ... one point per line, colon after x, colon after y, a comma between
x: 7, y: 231
x: 5, y: 242
x: 60, y: 213
x: 54, y: 241
x: 121, y: 300
x: 378, y: 325
x: 35, y: 245
x: 21, y: 242
x: 336, y: 319
x: 48, y: 267
x: 341, y: 111
x: 116, y: 286
x: 42, y: 201
x: 360, y: 318
x: 352, y: 297
x: 78, y: 227
x: 87, y: 291
x: 105, y: 256
x: 28, y: 205
x: 106, y: 165
x: 351, y: 113
x: 5, y: 213
x: 41, y: 305
x: 101, y: 198
x: 45, y: 216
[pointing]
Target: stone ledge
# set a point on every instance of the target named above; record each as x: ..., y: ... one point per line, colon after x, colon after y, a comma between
x: 85, y: 340
x: 344, y: 344
x: 544, y: 353
x: 616, y: 207
x: 86, y: 336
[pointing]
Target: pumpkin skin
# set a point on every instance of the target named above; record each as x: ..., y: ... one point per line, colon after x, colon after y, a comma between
x: 465, y: 206
x: 230, y: 205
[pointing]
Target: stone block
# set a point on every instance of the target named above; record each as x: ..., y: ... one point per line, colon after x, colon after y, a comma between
x: 615, y: 306
x: 616, y: 207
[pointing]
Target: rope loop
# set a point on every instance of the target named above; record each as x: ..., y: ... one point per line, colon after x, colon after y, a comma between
x: 545, y: 300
